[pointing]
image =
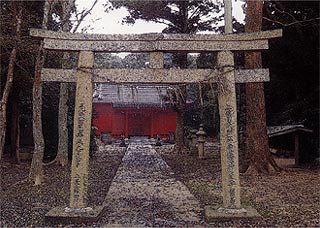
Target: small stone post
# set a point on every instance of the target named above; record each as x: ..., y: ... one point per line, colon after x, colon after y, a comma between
x: 193, y: 146
x: 158, y: 141
x: 171, y: 137
x: 81, y: 133
x: 201, y: 140
x: 189, y: 140
x: 123, y: 141
x: 193, y: 137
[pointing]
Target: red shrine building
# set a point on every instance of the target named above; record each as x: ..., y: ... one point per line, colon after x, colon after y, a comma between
x: 132, y: 111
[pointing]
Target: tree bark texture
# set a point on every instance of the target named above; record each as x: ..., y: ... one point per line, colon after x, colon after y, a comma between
x: 63, y: 140
x: 179, y: 134
x: 4, y: 100
x: 14, y: 134
x: 215, y: 116
x: 7, y: 88
x: 241, y: 104
x: 36, y: 169
x: 180, y: 106
x: 181, y: 60
x: 62, y: 154
x: 180, y: 94
x: 258, y: 153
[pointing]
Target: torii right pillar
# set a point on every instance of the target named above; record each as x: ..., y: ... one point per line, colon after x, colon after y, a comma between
x: 231, y: 208
x: 228, y: 132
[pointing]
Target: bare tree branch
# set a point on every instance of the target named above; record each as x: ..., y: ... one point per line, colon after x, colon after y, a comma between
x: 284, y: 12
x: 292, y: 23
x: 83, y: 15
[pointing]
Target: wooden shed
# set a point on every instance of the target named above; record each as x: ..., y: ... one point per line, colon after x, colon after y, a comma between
x: 133, y: 111
x: 281, y: 136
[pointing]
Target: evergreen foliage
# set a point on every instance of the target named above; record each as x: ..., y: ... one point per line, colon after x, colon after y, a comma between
x: 292, y: 95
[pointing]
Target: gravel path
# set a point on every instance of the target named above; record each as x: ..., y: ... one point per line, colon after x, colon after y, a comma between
x: 145, y: 192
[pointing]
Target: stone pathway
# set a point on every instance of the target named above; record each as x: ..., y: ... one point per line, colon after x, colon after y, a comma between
x: 144, y: 192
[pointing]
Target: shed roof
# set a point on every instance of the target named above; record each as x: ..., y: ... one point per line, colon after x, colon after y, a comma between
x: 286, y: 129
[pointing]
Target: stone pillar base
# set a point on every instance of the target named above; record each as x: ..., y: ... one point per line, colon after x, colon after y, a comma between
x: 213, y: 214
x: 65, y: 215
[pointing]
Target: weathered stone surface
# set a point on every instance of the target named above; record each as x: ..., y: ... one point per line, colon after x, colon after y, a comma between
x: 81, y: 133
x: 213, y: 214
x: 152, y: 46
x: 156, y: 60
x: 155, y: 36
x: 201, y: 140
x: 144, y: 192
x: 155, y: 42
x: 60, y: 215
x: 166, y: 76
x: 228, y: 132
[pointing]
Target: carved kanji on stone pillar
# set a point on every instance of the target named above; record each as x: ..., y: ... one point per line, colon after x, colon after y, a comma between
x: 228, y: 131
x: 81, y: 133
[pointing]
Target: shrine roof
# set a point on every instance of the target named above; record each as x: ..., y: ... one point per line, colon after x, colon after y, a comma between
x: 131, y: 95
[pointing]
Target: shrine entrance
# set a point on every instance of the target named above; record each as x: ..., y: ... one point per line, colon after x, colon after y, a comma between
x: 225, y: 75
x: 139, y: 124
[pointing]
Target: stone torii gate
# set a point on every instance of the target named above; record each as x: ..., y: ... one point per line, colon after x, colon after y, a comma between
x: 156, y: 44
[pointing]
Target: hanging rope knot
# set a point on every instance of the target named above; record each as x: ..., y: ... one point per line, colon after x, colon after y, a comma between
x: 222, y: 80
x: 221, y: 68
x: 85, y: 69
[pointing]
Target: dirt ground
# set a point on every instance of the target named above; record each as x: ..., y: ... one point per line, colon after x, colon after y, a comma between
x: 287, y: 199
x: 290, y: 198
x: 24, y: 205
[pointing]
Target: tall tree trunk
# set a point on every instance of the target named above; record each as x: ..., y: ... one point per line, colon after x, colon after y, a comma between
x: 4, y: 100
x: 36, y: 169
x: 179, y: 134
x: 180, y: 94
x: 258, y: 152
x: 241, y: 103
x: 215, y: 115
x: 62, y: 154
x: 181, y: 60
x: 8, y: 86
x: 14, y: 134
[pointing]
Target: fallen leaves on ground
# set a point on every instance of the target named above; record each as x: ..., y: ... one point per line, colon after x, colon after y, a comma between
x: 287, y: 199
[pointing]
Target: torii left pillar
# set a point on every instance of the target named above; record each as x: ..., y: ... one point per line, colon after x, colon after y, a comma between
x: 78, y: 210
x: 81, y: 132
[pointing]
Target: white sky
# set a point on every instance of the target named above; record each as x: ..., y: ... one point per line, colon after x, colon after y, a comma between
x: 111, y: 22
